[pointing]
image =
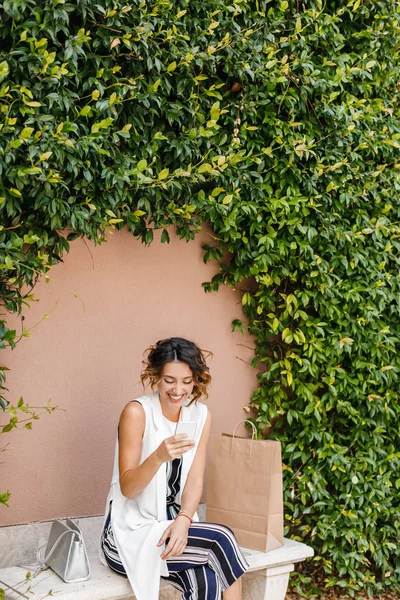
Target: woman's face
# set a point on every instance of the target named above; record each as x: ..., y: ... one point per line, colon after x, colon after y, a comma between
x: 176, y: 383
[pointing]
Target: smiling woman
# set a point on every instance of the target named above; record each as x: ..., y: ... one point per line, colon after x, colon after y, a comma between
x: 162, y: 370
x: 151, y: 527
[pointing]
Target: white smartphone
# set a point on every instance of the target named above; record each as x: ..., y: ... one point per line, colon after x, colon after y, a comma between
x: 188, y: 427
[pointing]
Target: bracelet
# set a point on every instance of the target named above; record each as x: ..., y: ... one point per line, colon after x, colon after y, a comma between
x: 185, y: 512
x: 182, y: 514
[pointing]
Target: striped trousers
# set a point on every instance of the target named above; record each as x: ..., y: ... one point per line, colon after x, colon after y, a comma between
x: 211, y: 562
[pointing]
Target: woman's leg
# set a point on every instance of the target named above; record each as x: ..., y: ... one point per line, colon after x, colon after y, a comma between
x: 234, y: 592
x: 215, y: 547
x: 110, y: 549
x: 199, y: 583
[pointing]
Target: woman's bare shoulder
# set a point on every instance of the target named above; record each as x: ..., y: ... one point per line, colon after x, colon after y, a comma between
x: 133, y: 412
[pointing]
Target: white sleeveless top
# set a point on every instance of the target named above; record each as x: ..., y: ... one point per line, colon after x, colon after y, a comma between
x: 138, y: 523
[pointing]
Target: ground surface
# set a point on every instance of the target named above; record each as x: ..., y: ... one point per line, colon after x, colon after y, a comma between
x: 332, y: 595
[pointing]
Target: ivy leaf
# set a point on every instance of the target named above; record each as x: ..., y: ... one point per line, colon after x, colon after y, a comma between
x: 26, y: 133
x: 345, y: 340
x: 114, y: 43
x: 163, y: 174
x: 4, y: 69
x: 142, y: 164
x: 165, y: 237
x: 205, y: 168
x: 159, y: 136
x: 85, y: 110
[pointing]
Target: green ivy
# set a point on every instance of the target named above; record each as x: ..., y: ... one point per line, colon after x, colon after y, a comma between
x: 277, y: 123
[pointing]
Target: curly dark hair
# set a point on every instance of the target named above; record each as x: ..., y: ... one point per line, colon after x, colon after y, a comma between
x: 177, y: 349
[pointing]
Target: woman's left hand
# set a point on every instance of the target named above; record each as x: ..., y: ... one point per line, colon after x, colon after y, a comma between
x: 177, y: 533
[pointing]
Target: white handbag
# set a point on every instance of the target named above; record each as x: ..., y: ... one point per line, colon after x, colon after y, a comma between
x: 66, y: 552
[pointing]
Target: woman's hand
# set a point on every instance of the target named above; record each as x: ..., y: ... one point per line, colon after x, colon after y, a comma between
x: 177, y: 533
x: 173, y: 447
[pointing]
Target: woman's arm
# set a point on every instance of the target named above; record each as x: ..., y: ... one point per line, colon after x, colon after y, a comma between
x: 193, y: 489
x: 177, y: 532
x: 133, y: 478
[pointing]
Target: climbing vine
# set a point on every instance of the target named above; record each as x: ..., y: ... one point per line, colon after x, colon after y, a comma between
x: 278, y: 123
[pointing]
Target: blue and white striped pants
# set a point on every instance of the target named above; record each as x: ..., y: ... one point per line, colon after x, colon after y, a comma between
x: 211, y: 562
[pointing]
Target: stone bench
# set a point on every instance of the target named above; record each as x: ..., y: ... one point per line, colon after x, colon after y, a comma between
x: 267, y: 578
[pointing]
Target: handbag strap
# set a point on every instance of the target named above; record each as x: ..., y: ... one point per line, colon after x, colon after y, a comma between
x: 41, y: 562
x: 54, y: 546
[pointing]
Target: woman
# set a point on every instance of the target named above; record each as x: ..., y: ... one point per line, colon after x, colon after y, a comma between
x: 151, y: 528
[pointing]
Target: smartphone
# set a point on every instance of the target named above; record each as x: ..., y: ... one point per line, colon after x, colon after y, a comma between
x: 188, y: 427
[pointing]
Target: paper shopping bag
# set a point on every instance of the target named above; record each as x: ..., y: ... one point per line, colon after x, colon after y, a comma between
x: 244, y: 490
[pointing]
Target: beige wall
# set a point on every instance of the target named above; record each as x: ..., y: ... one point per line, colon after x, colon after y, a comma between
x: 87, y: 356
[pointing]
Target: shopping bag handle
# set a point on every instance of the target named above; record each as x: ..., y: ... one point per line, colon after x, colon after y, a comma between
x: 254, y: 432
x: 253, y: 436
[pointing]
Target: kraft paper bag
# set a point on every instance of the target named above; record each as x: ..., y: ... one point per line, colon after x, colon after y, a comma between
x: 244, y: 490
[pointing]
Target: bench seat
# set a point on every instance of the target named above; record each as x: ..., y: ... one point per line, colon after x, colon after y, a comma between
x: 266, y: 579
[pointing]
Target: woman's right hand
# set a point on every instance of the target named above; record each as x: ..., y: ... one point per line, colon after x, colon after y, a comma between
x: 174, y: 447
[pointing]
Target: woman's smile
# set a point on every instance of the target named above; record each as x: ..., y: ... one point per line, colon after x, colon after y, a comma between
x: 176, y: 399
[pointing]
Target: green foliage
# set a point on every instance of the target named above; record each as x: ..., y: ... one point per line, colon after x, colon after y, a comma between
x: 4, y: 498
x: 21, y: 415
x: 278, y: 123
x: 29, y: 414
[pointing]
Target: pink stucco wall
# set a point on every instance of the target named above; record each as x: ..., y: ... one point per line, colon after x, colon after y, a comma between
x: 87, y: 357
